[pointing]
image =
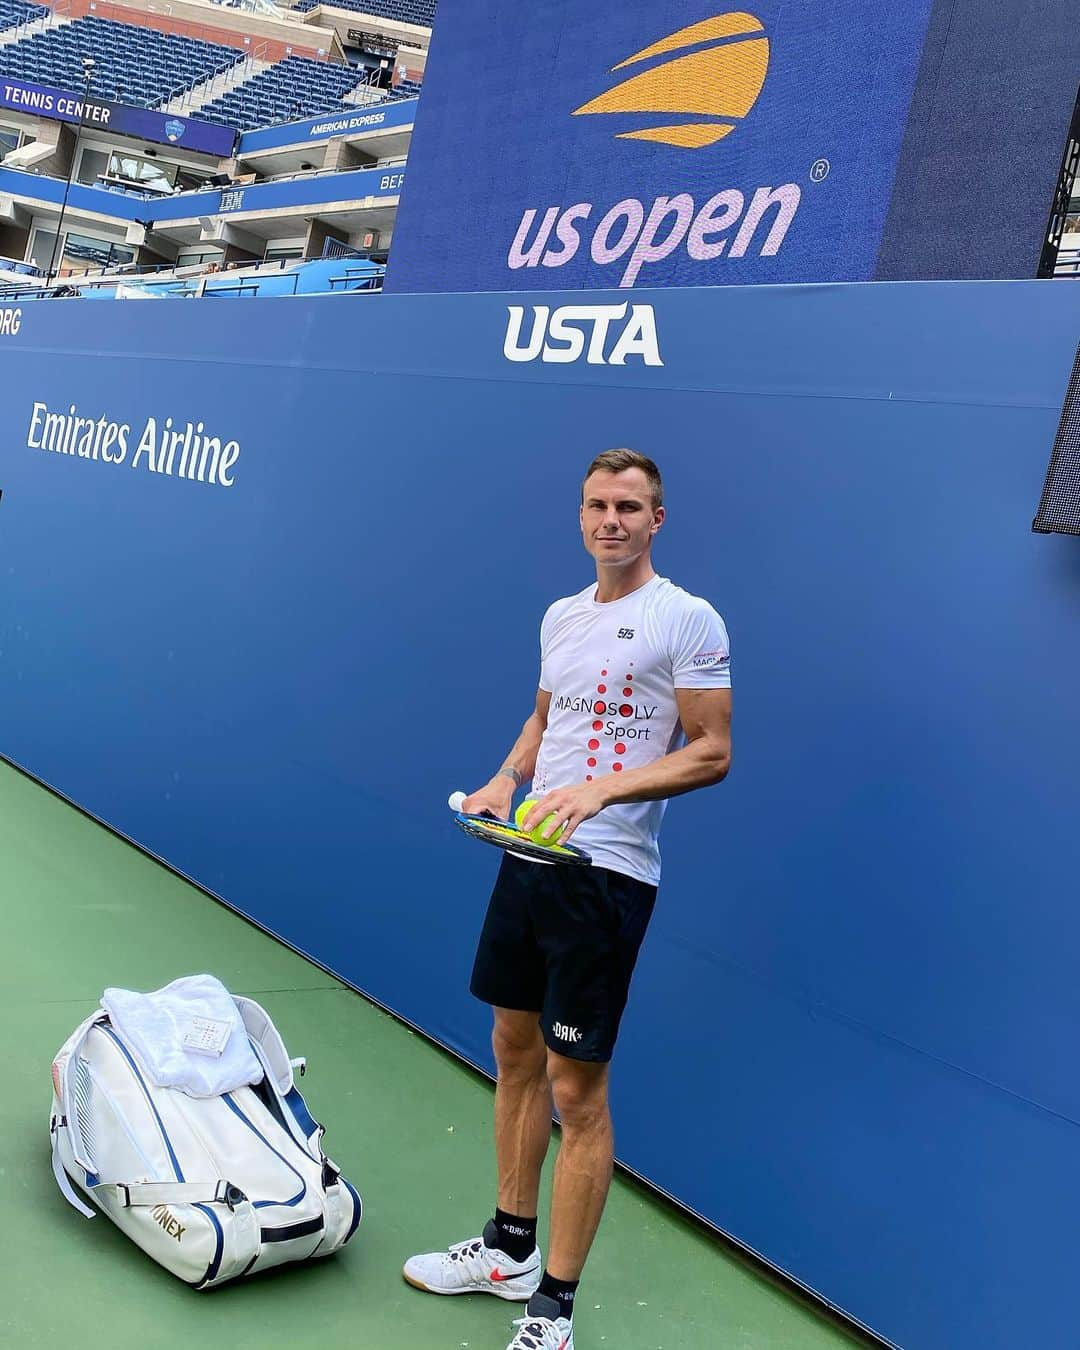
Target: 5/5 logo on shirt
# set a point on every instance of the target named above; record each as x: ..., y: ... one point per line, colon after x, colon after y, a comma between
x: 626, y: 632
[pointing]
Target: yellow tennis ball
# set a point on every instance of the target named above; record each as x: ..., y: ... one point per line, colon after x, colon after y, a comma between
x: 537, y: 833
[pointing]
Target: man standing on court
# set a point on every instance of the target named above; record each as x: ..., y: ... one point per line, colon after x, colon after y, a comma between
x: 634, y: 707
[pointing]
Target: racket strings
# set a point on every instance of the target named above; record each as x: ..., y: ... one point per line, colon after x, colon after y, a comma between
x: 511, y: 837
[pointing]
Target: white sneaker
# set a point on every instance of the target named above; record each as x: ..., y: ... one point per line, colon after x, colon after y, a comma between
x: 472, y: 1267
x: 542, y: 1328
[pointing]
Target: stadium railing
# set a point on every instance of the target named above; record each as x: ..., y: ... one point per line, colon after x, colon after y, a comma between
x: 1068, y: 263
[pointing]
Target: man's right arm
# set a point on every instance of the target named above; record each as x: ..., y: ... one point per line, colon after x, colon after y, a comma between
x: 497, y: 794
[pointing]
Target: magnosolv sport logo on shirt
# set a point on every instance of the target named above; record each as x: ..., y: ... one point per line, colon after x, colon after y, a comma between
x: 707, y: 77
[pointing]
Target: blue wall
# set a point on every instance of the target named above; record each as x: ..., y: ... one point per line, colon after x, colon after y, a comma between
x: 322, y: 190
x: 328, y: 127
x: 858, y: 1004
x: 997, y: 82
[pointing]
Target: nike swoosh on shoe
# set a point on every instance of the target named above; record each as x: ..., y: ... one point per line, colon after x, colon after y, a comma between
x: 499, y: 1277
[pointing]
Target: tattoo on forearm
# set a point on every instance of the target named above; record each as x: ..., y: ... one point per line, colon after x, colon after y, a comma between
x: 509, y: 771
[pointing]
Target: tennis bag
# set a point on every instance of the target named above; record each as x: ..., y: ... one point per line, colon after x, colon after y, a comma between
x: 212, y: 1187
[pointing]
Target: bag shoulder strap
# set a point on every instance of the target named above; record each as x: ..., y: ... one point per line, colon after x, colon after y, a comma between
x: 262, y: 1032
x: 150, y: 1193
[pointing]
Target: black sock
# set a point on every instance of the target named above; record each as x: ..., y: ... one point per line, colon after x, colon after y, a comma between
x: 562, y: 1291
x: 511, y: 1234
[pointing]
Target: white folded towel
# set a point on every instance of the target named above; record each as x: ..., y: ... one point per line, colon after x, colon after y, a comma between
x: 154, y: 1027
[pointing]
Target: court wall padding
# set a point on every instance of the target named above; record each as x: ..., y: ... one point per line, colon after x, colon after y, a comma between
x: 852, y: 1039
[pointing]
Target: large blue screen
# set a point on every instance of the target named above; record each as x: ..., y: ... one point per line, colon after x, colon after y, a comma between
x: 743, y: 146
x: 622, y: 143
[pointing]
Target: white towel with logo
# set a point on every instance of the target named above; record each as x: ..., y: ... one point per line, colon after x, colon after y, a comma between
x: 155, y: 1025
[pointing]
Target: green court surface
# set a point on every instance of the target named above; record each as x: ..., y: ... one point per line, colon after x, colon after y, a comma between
x: 406, y: 1122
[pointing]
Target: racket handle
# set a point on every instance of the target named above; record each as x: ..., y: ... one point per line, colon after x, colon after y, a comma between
x: 456, y: 802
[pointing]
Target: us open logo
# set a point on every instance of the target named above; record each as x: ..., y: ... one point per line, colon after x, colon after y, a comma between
x: 695, y: 87
x: 719, y: 81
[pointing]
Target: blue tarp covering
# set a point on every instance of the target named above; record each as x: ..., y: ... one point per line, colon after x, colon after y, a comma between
x: 852, y: 1038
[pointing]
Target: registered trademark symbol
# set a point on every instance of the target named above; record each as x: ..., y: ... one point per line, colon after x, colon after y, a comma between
x: 819, y: 170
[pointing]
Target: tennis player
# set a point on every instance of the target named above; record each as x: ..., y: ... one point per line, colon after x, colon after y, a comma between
x: 634, y: 707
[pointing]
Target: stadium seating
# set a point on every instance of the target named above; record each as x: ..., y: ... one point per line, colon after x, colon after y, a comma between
x: 406, y: 89
x: 293, y: 89
x: 135, y: 65
x: 15, y: 12
x: 421, y: 12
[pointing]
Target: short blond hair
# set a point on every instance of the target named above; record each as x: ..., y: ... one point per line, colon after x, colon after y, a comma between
x: 618, y: 461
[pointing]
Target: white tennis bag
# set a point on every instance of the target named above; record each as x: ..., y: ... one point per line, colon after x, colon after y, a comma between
x: 213, y: 1182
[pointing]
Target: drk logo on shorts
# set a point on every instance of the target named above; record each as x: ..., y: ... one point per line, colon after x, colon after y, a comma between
x: 565, y: 1033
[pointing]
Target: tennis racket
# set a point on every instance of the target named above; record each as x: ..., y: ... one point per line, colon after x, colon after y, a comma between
x: 513, y: 839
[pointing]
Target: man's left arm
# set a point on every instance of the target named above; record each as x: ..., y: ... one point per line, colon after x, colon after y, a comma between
x: 705, y: 715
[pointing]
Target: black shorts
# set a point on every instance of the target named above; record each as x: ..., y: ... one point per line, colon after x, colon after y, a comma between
x: 563, y: 942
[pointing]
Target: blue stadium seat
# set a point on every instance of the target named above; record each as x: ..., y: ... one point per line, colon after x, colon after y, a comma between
x: 421, y: 12
x: 16, y: 12
x: 134, y: 65
x: 402, y: 90
x: 294, y: 88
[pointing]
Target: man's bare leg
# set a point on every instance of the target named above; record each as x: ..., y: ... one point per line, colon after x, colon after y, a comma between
x: 584, y: 1165
x: 523, y: 1107
x: 504, y: 1261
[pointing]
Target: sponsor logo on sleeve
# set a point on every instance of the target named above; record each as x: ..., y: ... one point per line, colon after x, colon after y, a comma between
x: 711, y: 660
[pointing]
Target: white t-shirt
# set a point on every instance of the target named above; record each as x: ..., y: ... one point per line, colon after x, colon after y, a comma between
x: 612, y: 670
